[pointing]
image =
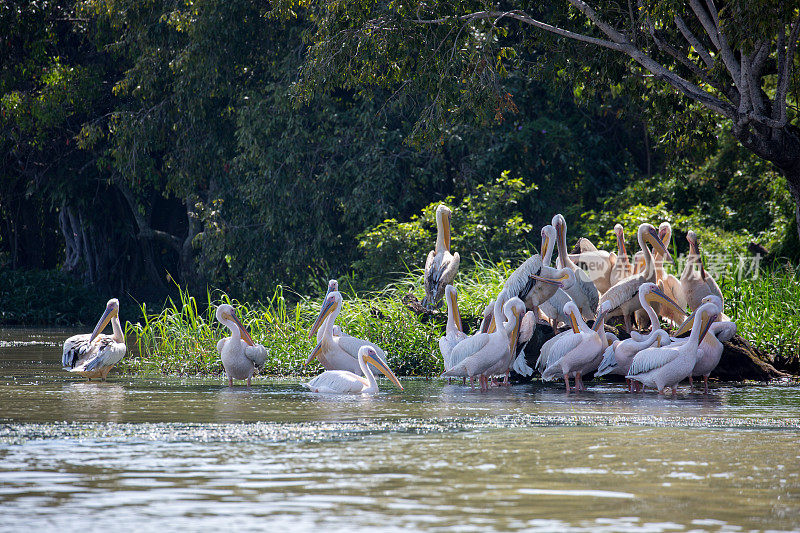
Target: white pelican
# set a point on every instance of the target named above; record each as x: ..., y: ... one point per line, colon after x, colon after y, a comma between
x: 577, y: 353
x: 535, y: 281
x: 333, y: 285
x: 638, y: 262
x: 622, y: 267
x: 711, y: 347
x: 240, y: 355
x: 337, y: 352
x: 583, y: 292
x: 93, y: 355
x: 666, y: 367
x: 623, y: 296
x: 669, y: 284
x: 482, y: 352
x: 488, y: 317
x: 453, y: 332
x: 343, y: 382
x: 512, y: 325
x: 617, y: 357
x: 696, y: 282
x: 441, y: 266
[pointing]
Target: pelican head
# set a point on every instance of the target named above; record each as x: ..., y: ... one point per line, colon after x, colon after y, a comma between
x: 548, y: 239
x: 714, y: 299
x: 559, y: 224
x: 652, y: 294
x: 225, y: 314
x: 369, y: 355
x: 665, y: 232
x: 112, y: 310
x: 691, y: 236
x: 332, y: 302
x: 333, y: 285
x: 620, y: 233
x: 451, y: 294
x: 443, y: 214
x: 573, y: 312
x: 710, y: 309
x: 649, y: 234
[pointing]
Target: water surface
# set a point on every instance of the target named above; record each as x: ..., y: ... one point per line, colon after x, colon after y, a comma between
x: 148, y: 453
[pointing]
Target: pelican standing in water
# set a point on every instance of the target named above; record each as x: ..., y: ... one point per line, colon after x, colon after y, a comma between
x: 337, y: 352
x: 344, y: 382
x: 441, y: 266
x: 240, y: 355
x: 484, y: 351
x: 93, y: 355
x: 665, y: 367
x: 453, y: 332
x: 617, y: 358
x: 711, y: 347
x: 578, y: 353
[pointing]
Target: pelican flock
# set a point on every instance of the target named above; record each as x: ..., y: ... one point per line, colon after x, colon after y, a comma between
x: 638, y: 292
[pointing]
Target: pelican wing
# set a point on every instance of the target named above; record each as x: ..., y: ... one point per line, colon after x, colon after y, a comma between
x: 565, y: 344
x: 337, y: 382
x: 554, y: 307
x: 430, y: 268
x: 447, y: 274
x: 221, y: 343
x: 520, y: 366
x: 257, y: 354
x: 622, y: 292
x: 608, y: 364
x: 651, y: 359
x: 724, y: 331
x: 467, y: 347
x: 76, y: 348
x: 106, y: 352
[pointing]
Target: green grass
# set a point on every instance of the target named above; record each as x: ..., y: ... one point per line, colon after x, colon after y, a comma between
x: 182, y: 338
x: 766, y: 310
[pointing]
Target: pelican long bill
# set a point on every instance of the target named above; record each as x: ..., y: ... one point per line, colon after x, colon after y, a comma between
x: 559, y: 281
x: 656, y: 242
x: 326, y: 310
x: 245, y: 335
x: 385, y: 370
x: 108, y: 314
x: 659, y: 295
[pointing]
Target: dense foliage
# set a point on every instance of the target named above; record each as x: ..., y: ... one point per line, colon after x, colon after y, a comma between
x: 146, y: 142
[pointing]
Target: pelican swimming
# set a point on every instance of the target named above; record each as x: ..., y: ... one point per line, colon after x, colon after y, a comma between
x: 666, y: 367
x: 93, y: 355
x: 453, y: 332
x: 577, y: 353
x: 240, y: 355
x: 583, y: 292
x: 344, y: 382
x: 711, y: 347
x: 623, y: 296
x: 695, y: 281
x: 482, y: 352
x: 337, y: 352
x: 622, y: 266
x: 617, y: 357
x: 441, y: 266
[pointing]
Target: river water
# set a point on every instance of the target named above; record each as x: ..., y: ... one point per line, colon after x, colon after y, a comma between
x: 160, y: 453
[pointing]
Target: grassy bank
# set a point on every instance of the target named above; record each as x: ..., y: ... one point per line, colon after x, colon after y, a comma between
x: 182, y: 338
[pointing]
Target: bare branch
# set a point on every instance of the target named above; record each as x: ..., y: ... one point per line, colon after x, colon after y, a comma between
x: 694, y: 42
x: 785, y: 60
x: 712, y: 28
x: 523, y: 17
x: 707, y: 23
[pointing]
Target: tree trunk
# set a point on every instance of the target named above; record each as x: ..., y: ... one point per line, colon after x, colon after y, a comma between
x: 793, y: 180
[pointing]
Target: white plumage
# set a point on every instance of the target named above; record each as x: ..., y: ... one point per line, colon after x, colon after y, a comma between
x: 695, y: 281
x: 441, y: 266
x: 453, y: 332
x: 344, y: 382
x: 93, y: 355
x: 583, y: 292
x: 240, y: 355
x: 337, y: 352
x: 666, y: 367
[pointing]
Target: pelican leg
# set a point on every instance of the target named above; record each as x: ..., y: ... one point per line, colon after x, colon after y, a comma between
x: 464, y: 381
x: 579, y: 382
x: 691, y: 385
x: 506, y: 382
x: 705, y: 382
x: 566, y: 381
x: 674, y: 391
x: 230, y: 381
x: 248, y: 382
x: 628, y: 325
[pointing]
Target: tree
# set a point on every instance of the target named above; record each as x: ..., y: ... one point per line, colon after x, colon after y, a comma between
x: 702, y: 61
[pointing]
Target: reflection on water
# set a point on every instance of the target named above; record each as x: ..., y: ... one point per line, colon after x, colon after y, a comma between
x: 167, y: 453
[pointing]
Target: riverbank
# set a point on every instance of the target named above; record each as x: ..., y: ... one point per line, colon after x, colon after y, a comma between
x: 181, y: 339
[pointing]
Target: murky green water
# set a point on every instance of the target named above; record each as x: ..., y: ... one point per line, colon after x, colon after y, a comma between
x: 140, y: 454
